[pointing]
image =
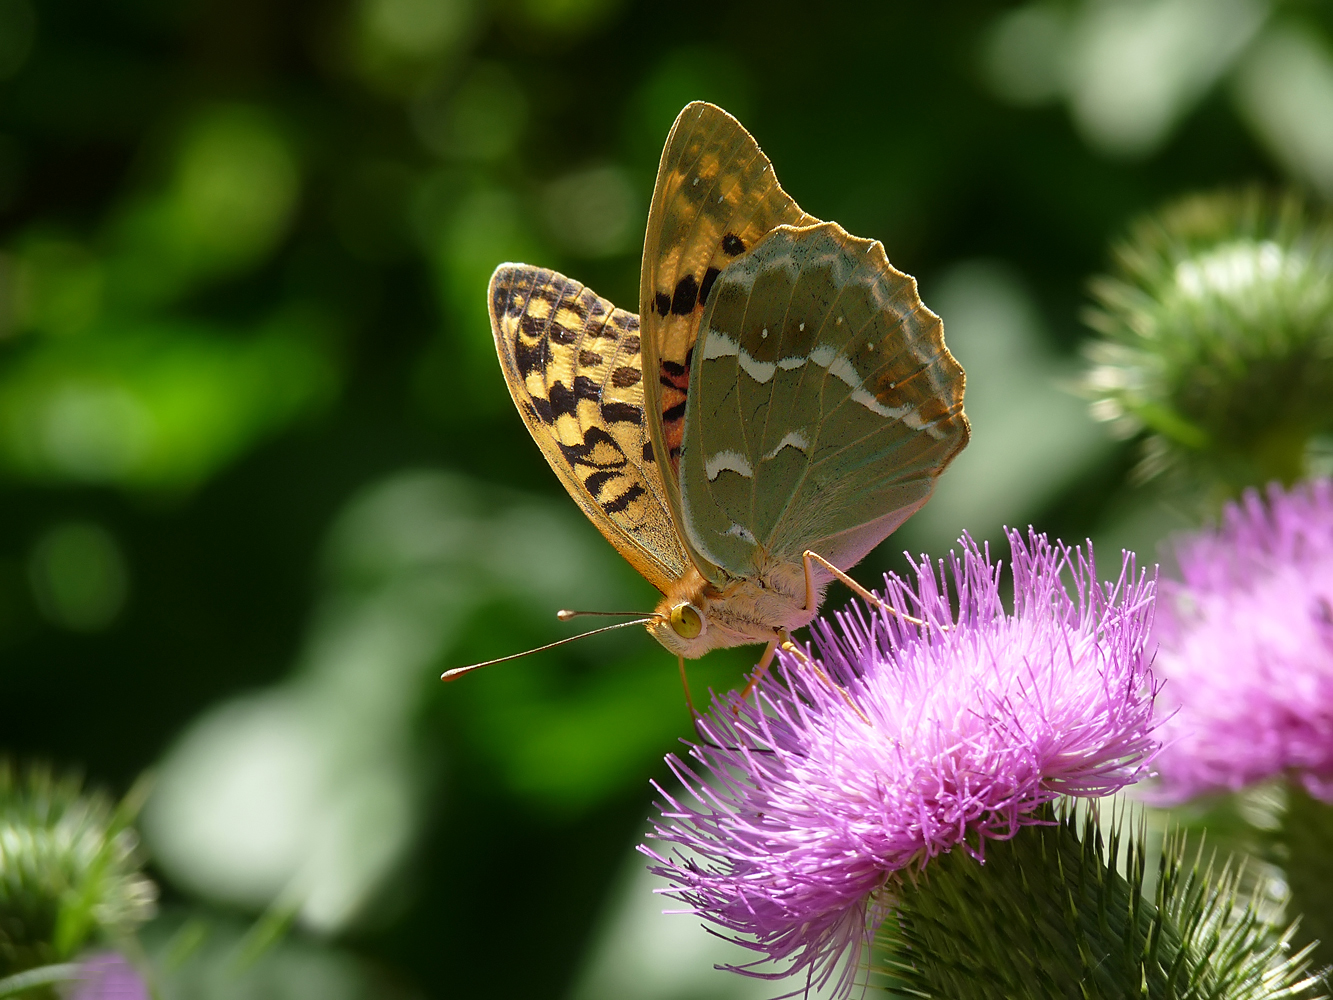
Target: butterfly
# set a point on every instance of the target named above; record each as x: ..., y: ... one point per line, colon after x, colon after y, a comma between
x: 781, y: 403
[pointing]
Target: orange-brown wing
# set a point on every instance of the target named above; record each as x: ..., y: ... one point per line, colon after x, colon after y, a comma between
x: 716, y: 197
x: 573, y: 366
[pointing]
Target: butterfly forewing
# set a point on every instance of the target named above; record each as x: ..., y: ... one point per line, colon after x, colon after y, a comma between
x: 572, y: 362
x: 822, y: 405
x: 716, y: 196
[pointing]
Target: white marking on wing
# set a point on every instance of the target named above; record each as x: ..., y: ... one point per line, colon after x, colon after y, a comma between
x: 787, y: 364
x: 871, y: 403
x: 760, y: 371
x: 719, y: 345
x: 842, y: 369
x: 792, y: 439
x: 732, y: 460
x: 741, y: 532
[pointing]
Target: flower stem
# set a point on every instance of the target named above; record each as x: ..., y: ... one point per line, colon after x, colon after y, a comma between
x: 1305, y: 852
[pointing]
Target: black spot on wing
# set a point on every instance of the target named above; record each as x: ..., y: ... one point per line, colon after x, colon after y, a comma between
x: 565, y: 400
x: 632, y: 345
x: 673, y: 369
x: 622, y: 413
x: 624, y: 500
x: 589, y: 359
x: 531, y: 357
x: 675, y: 412
x: 733, y: 245
x: 625, y: 376
x: 648, y: 451
x: 597, y: 480
x: 578, y: 305
x: 706, y: 285
x: 593, y: 438
x: 662, y: 302
x: 685, y: 297
x: 541, y: 409
x: 562, y: 400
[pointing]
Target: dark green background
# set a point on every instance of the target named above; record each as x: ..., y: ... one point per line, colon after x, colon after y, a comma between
x: 876, y: 114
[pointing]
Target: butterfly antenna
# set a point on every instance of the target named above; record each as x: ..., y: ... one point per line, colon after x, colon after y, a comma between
x: 457, y: 672
x: 566, y: 614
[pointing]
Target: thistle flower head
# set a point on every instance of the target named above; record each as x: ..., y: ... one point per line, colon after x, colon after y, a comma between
x: 69, y: 870
x: 895, y: 740
x: 1217, y: 329
x: 1246, y: 644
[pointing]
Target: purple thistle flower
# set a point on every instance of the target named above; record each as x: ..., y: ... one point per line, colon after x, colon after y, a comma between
x: 109, y: 976
x: 1246, y: 642
x: 899, y: 741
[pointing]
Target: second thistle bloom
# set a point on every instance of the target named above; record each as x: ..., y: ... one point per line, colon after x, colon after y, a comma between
x: 1247, y: 646
x: 901, y: 739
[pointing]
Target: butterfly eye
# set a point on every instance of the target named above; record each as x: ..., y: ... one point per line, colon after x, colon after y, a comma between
x: 686, y: 621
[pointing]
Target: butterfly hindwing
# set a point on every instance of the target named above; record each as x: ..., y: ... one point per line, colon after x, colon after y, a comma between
x: 716, y: 196
x: 572, y: 362
x: 822, y: 405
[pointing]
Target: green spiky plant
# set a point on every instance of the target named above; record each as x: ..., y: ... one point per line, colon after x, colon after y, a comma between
x: 1058, y: 911
x: 1216, y: 340
x: 1301, y: 846
x: 70, y: 876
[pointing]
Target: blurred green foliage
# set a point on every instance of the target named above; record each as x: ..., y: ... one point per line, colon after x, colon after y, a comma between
x: 261, y: 480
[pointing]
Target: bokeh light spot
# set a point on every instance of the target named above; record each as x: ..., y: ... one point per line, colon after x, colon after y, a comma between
x: 1022, y: 55
x: 236, y: 185
x: 79, y: 576
x: 480, y: 121
x: 593, y: 212
x: 58, y: 287
x: 1285, y: 91
x: 416, y: 28
x: 93, y: 432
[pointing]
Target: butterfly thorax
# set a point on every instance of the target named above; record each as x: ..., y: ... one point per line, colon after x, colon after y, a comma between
x: 743, y: 611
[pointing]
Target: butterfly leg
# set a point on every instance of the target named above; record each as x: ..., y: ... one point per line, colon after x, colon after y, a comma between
x: 804, y: 659
x: 685, y: 683
x: 810, y: 601
x: 761, y: 669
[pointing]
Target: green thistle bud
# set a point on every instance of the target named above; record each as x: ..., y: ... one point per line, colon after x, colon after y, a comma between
x: 1058, y: 912
x: 69, y: 870
x: 1217, y: 336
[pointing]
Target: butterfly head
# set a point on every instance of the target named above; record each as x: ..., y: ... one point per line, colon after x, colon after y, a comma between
x: 683, y: 627
x: 683, y: 621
